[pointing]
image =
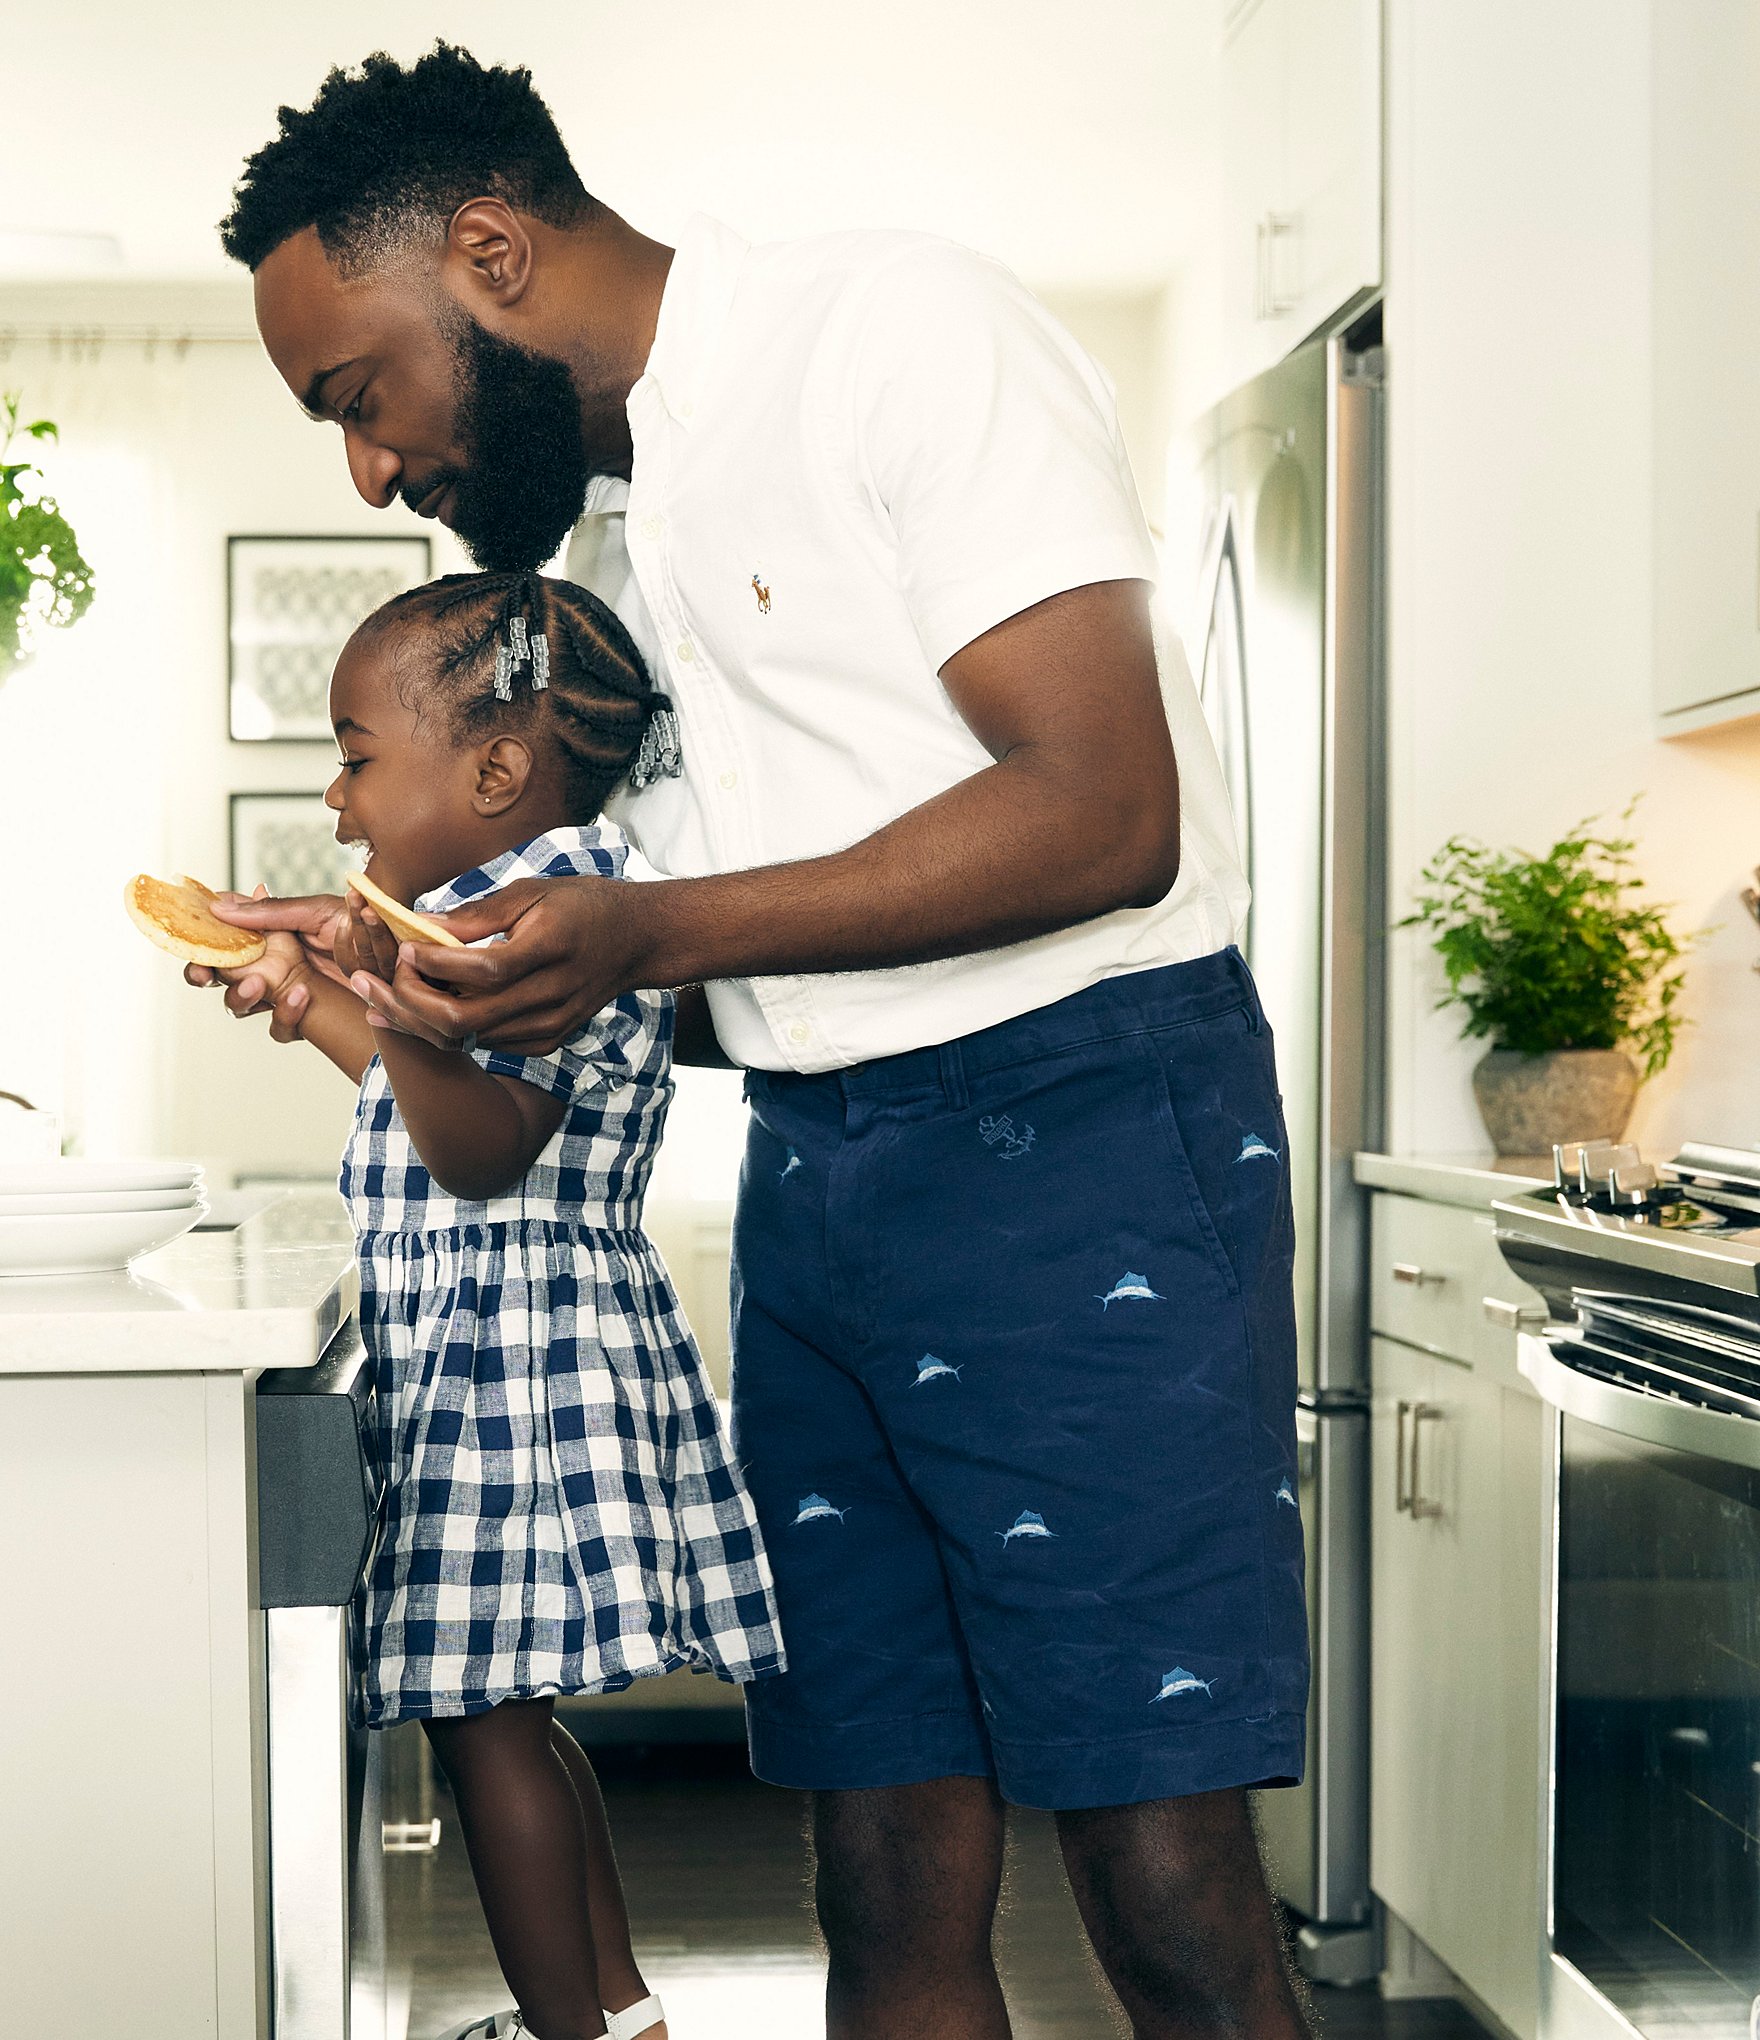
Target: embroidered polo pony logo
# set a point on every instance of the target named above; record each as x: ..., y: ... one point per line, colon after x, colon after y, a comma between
x: 763, y: 594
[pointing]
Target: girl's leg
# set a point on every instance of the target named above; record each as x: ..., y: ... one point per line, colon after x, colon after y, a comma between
x: 527, y: 1841
x: 619, y: 1978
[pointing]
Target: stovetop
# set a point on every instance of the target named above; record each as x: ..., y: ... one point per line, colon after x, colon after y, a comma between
x: 1687, y: 1232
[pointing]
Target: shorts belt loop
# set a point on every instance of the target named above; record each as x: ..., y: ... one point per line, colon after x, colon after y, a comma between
x: 953, y: 1076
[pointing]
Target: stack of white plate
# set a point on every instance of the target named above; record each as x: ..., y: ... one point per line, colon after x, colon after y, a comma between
x: 77, y: 1217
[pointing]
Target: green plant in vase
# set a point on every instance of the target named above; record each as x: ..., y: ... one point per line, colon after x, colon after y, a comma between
x: 45, y: 583
x: 1570, y: 976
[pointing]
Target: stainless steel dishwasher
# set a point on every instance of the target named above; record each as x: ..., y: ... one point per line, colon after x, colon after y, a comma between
x: 318, y: 1510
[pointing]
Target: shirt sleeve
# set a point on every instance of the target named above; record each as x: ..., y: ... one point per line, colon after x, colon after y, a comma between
x: 617, y: 1046
x: 991, y: 442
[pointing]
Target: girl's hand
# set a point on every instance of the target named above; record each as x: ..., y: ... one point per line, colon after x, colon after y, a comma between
x: 279, y: 982
x: 364, y: 943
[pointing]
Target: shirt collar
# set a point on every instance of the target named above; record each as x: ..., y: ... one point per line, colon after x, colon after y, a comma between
x: 558, y: 853
x: 705, y: 272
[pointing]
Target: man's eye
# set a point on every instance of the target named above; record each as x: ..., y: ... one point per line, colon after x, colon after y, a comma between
x: 353, y: 411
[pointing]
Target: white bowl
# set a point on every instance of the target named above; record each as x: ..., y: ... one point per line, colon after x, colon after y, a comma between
x: 24, y: 1179
x: 83, y: 1243
x: 70, y: 1203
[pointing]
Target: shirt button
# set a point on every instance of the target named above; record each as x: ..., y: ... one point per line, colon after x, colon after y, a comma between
x: 729, y: 780
x: 686, y: 651
x: 686, y: 410
x: 800, y: 1031
x: 653, y: 526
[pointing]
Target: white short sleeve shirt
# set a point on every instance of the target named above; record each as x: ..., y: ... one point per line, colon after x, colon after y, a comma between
x: 853, y: 455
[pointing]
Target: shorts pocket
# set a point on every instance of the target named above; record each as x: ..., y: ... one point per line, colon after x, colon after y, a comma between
x: 1167, y: 1106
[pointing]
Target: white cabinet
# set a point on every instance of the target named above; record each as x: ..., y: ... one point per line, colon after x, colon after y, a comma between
x: 1457, y: 1524
x: 1301, y: 175
x: 1706, y: 224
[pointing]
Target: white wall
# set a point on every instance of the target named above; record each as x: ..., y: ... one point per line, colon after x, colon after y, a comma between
x: 1518, y: 323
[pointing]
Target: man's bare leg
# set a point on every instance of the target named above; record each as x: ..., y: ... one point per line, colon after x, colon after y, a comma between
x: 907, y: 1883
x: 1173, y: 1895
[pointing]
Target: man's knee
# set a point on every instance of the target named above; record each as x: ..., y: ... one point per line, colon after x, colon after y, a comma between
x: 907, y: 1872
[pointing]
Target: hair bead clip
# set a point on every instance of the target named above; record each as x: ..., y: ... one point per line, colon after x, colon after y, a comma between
x: 503, y: 673
x: 659, y: 756
x: 516, y: 632
x: 540, y: 663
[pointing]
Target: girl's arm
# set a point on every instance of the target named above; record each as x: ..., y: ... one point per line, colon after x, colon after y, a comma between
x: 305, y: 1003
x: 476, y: 1133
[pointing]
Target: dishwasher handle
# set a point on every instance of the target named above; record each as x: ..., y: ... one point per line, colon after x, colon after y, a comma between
x: 1652, y: 1419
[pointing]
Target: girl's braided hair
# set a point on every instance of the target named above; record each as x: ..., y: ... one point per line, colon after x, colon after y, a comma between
x: 498, y: 647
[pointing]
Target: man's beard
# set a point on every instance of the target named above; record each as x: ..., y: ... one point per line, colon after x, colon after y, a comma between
x: 523, y: 482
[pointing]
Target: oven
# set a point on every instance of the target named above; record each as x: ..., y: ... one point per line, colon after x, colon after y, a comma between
x: 1653, y: 1869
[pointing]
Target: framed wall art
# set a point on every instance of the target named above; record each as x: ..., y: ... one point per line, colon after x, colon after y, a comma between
x: 287, y: 842
x: 291, y: 605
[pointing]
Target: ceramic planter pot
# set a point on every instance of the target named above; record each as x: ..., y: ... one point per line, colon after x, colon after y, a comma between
x: 1529, y: 1103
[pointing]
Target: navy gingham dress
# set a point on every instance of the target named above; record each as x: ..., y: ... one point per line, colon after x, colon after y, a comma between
x: 562, y: 1512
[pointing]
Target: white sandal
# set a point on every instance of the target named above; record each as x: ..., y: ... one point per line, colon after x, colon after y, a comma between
x: 505, y: 2025
x: 634, y: 2019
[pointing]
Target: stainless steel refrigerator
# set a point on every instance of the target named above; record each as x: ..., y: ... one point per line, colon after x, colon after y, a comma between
x: 1286, y: 634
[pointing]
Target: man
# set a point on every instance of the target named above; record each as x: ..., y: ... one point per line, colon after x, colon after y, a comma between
x: 1014, y: 1368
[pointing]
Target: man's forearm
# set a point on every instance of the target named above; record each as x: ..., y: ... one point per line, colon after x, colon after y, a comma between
x: 997, y: 859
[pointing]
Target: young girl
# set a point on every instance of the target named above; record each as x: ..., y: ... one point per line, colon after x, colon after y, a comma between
x: 561, y: 1516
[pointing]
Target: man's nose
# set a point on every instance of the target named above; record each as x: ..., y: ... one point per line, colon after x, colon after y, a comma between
x: 376, y: 470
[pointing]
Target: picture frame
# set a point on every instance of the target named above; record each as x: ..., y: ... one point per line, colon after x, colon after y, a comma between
x: 291, y: 605
x: 286, y: 842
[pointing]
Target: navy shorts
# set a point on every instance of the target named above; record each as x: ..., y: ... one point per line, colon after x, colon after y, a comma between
x: 1014, y: 1393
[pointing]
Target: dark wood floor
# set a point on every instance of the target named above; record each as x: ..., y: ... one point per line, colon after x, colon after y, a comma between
x: 715, y: 1868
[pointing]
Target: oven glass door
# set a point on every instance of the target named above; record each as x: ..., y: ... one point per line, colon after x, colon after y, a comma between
x: 1656, y: 1853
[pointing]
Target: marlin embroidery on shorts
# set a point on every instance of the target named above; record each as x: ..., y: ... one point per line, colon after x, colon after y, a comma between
x: 789, y: 1167
x: 1254, y: 1149
x: 931, y: 1369
x: 1130, y: 1288
x: 763, y: 594
x: 1179, y: 1681
x: 816, y: 1509
x: 1288, y: 1494
x: 1029, y: 1523
x: 1000, y: 1132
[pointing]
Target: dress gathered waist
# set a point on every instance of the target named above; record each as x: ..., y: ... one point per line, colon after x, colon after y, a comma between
x: 589, y: 1228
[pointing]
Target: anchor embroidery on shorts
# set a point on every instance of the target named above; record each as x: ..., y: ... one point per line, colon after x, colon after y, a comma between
x: 763, y: 594
x: 1000, y: 1132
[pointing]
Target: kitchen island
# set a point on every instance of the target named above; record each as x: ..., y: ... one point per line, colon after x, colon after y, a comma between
x: 133, y: 1723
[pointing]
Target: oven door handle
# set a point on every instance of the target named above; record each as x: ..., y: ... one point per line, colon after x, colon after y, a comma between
x: 1681, y: 1427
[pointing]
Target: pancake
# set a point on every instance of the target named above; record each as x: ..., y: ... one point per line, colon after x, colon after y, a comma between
x: 403, y: 922
x: 176, y: 915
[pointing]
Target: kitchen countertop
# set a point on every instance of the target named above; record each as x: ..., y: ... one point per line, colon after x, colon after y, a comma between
x: 269, y: 1292
x: 1475, y: 1180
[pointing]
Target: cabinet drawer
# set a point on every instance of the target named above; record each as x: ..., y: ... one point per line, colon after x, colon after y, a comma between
x: 1433, y: 1270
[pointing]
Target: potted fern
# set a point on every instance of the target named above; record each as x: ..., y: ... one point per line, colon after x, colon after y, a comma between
x: 45, y: 583
x: 1564, y: 971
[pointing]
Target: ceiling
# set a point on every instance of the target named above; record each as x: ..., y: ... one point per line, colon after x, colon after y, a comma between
x: 1069, y: 139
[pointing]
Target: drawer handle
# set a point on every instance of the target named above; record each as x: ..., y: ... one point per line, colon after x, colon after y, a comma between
x: 1418, y: 1278
x: 1513, y: 1317
x: 411, y: 1837
x: 1422, y: 1414
x: 1402, y: 1499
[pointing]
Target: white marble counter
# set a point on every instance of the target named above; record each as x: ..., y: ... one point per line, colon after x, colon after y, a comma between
x: 1475, y: 1180
x: 268, y: 1293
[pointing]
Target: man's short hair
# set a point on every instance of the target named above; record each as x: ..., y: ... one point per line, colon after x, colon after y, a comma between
x: 385, y: 155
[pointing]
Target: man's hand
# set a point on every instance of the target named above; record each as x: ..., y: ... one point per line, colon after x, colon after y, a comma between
x: 573, y: 945
x: 299, y: 930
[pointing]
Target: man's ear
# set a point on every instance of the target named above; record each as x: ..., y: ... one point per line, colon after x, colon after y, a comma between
x: 489, y: 252
x: 504, y: 770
